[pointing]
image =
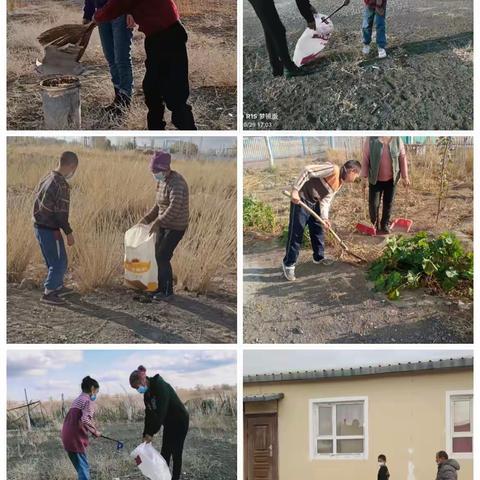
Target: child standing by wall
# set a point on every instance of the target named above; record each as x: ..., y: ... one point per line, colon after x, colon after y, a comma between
x: 78, y: 424
x: 383, y: 473
x: 375, y: 12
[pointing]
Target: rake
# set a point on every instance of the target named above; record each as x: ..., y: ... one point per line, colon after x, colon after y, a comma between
x: 70, y: 34
x: 322, y: 222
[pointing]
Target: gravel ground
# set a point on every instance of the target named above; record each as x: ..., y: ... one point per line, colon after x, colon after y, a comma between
x: 426, y: 83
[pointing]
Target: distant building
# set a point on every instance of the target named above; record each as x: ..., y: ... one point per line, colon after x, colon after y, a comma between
x: 332, y: 424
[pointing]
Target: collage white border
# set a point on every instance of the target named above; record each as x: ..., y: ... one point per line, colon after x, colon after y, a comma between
x: 239, y: 347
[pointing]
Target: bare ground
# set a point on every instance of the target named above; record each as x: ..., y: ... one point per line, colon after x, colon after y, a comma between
x: 426, y: 83
x: 208, y: 455
x: 117, y: 316
x: 336, y: 304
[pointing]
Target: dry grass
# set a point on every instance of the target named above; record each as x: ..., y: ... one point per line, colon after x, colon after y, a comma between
x: 212, y: 58
x: 128, y: 407
x: 112, y: 191
x: 352, y: 204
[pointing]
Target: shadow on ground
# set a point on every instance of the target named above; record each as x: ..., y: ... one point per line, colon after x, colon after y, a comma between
x: 335, y: 304
x: 113, y: 316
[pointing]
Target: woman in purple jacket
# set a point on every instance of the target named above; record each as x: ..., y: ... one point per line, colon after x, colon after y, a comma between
x: 116, y: 37
x: 77, y: 426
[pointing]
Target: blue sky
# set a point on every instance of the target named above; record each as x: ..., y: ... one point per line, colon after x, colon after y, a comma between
x: 49, y: 373
x: 256, y: 362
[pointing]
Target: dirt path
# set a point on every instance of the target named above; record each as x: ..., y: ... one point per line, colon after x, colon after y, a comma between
x: 113, y: 316
x: 425, y: 83
x: 336, y: 304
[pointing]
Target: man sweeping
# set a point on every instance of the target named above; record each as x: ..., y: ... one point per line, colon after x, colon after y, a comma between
x: 51, y: 215
x: 384, y: 163
x: 170, y: 216
x: 316, y: 186
x: 166, y: 76
x: 275, y: 35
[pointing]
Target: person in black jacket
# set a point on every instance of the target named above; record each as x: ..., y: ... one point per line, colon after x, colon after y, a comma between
x: 383, y: 473
x: 162, y: 407
x: 275, y: 35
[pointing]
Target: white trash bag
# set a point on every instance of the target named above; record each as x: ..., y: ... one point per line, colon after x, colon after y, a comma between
x: 312, y: 42
x: 141, y: 271
x: 151, y: 463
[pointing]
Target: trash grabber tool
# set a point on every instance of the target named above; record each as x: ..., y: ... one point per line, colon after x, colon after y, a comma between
x: 324, y: 20
x: 334, y: 234
x: 118, y: 442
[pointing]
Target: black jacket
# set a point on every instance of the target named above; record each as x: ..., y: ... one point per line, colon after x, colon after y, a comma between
x: 163, y: 407
x: 383, y: 473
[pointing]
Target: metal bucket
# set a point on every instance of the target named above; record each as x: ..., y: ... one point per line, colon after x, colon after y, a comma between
x: 61, y: 102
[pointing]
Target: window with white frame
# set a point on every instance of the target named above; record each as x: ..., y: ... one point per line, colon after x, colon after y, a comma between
x: 460, y: 423
x: 338, y: 428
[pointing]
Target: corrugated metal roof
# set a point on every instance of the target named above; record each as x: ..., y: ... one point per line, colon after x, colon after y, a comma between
x: 435, y: 365
x: 263, y: 398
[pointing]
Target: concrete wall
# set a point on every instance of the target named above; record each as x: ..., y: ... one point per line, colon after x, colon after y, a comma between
x: 406, y: 422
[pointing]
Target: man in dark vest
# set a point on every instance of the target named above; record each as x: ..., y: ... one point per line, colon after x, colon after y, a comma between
x: 275, y: 35
x: 384, y: 163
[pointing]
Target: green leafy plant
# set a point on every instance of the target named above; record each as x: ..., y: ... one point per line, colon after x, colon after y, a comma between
x: 422, y: 261
x: 306, y: 243
x: 258, y: 215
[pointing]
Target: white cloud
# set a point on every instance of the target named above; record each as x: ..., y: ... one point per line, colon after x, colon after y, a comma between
x: 37, y: 362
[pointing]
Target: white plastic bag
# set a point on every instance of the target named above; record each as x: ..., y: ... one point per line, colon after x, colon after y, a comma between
x: 312, y: 42
x: 141, y: 271
x: 151, y: 463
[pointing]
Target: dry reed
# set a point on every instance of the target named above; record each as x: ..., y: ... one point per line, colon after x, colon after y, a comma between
x: 111, y: 191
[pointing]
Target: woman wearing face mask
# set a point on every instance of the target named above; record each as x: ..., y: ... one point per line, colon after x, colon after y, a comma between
x: 162, y: 407
x: 170, y: 216
x: 77, y: 426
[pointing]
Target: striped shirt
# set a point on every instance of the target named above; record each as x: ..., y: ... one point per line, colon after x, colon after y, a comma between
x: 171, y: 208
x: 319, y: 183
x: 78, y: 424
x: 52, y: 203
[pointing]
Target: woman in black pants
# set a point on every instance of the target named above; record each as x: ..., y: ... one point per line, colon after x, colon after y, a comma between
x: 275, y: 35
x: 162, y: 407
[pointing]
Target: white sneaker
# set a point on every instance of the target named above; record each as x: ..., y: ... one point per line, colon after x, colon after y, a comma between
x: 382, y: 53
x: 324, y: 261
x: 366, y: 49
x: 289, y: 272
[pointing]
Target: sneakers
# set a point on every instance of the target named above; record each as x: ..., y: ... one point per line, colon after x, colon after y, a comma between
x: 385, y: 229
x: 324, y: 261
x: 52, y: 299
x: 64, y: 291
x: 382, y: 53
x: 298, y: 72
x: 160, y: 296
x: 289, y: 272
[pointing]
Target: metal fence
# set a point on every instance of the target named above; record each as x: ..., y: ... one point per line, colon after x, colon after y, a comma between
x: 267, y: 150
